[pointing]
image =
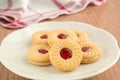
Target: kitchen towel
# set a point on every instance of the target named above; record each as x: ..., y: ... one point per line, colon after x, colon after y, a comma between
x: 21, y: 13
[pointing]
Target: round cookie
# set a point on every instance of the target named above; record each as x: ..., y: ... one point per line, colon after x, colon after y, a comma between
x: 91, y: 52
x: 39, y: 55
x: 65, y: 55
x: 40, y: 37
x: 82, y: 36
x: 60, y: 35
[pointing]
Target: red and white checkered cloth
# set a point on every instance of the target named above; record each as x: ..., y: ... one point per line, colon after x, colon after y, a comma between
x: 20, y: 13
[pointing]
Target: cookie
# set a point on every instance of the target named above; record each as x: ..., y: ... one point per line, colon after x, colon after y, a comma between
x: 82, y: 36
x: 39, y: 55
x: 91, y: 52
x: 60, y: 35
x: 40, y: 37
x: 65, y: 55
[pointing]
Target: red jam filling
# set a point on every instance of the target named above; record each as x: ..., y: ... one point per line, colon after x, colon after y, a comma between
x: 42, y: 51
x: 44, y: 37
x: 85, y: 49
x: 65, y: 53
x: 62, y: 36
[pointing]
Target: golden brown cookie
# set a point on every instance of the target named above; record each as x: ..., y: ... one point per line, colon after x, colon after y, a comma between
x: 60, y: 35
x: 82, y: 36
x: 39, y: 55
x: 65, y: 55
x: 40, y: 37
x: 91, y: 52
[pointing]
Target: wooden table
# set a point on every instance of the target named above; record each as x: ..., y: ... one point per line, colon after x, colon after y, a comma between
x: 106, y: 17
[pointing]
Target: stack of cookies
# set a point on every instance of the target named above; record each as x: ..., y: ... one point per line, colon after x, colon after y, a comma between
x: 64, y: 49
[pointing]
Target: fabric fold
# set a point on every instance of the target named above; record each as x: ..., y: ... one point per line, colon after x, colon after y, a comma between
x: 21, y: 13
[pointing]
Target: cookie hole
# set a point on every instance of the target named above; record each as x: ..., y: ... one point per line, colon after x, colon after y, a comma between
x: 62, y: 36
x: 77, y: 35
x: 85, y: 49
x: 42, y: 51
x: 65, y: 53
x: 44, y: 36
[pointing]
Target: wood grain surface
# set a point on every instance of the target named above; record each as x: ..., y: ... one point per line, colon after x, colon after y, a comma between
x: 106, y: 17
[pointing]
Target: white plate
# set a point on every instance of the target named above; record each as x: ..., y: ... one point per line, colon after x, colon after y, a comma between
x: 13, y: 52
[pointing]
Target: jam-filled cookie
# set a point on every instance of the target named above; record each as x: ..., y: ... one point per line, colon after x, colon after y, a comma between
x: 65, y: 55
x: 60, y: 35
x: 40, y: 37
x: 39, y: 55
x: 82, y: 36
x: 91, y: 52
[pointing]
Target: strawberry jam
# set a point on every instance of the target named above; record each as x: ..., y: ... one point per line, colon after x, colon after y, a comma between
x: 62, y: 36
x: 42, y: 51
x: 44, y: 37
x: 85, y: 49
x: 65, y: 53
